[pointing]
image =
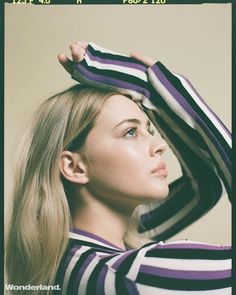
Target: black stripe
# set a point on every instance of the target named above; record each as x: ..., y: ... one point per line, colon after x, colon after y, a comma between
x: 72, y: 288
x: 60, y: 275
x: 223, y: 144
x: 93, y: 279
x: 122, y: 271
x: 189, y: 218
x: 182, y: 284
x: 209, y: 183
x: 114, y: 56
x: 171, y: 207
x: 178, y: 85
x: 190, y: 253
x: 210, y: 188
x: 117, y: 75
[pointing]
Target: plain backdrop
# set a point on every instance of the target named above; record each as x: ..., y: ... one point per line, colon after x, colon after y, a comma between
x: 193, y: 40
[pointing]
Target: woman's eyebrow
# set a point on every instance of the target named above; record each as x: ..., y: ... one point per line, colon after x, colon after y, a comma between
x: 132, y: 120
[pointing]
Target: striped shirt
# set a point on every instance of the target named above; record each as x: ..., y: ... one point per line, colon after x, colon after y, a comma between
x: 202, y: 145
x: 92, y: 265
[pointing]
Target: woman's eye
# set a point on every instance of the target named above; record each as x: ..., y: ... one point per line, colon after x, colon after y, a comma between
x: 132, y: 132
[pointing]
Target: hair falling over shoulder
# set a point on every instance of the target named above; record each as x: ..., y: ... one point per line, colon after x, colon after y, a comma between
x: 37, y: 232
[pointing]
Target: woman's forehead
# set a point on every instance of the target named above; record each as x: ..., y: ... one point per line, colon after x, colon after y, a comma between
x: 118, y: 108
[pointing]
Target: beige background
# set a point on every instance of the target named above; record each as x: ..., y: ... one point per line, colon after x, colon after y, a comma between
x: 194, y: 40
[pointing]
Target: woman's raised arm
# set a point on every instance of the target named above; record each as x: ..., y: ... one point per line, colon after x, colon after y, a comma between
x: 200, y: 141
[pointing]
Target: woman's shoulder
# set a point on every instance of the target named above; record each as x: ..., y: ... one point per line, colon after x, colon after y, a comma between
x: 83, y: 244
x: 91, y: 262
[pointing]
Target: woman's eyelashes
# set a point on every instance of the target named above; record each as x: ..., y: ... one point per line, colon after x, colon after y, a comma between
x: 132, y: 132
x: 136, y: 131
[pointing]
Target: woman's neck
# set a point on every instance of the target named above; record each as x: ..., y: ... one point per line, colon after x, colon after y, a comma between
x: 92, y: 215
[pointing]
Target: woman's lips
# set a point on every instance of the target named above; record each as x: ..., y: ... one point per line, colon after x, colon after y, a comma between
x: 160, y: 170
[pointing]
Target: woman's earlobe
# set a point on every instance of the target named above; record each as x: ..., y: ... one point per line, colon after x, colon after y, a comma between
x: 73, y: 168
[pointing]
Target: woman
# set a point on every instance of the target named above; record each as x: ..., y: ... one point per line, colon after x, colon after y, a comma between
x: 91, y: 157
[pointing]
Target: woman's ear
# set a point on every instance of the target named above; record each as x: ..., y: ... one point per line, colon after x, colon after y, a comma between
x: 73, y: 168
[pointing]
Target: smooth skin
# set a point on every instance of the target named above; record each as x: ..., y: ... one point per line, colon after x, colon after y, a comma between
x: 118, y: 170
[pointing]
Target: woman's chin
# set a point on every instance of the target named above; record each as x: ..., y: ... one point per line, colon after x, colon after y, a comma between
x: 161, y: 193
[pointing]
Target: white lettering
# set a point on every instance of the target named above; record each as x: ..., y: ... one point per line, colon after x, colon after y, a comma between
x: 32, y: 287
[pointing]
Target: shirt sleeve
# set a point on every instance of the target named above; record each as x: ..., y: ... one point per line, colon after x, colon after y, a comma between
x: 181, y: 267
x: 200, y: 141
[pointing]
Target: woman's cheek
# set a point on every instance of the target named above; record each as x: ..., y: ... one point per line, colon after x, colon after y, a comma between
x: 117, y: 156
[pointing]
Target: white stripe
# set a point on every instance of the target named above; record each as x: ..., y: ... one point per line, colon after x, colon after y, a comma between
x: 209, y: 114
x: 138, y: 261
x: 86, y: 275
x: 188, y: 264
x: 148, y: 104
x: 191, y: 242
x: 171, y: 221
x: 113, y: 260
x: 70, y: 267
x: 144, y: 290
x: 136, y: 96
x: 109, y: 283
x: 181, y: 112
x: 218, y: 157
x: 102, y: 254
x: 118, y: 68
x: 164, y: 92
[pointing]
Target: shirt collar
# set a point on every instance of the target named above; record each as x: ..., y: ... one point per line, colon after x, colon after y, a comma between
x: 82, y: 235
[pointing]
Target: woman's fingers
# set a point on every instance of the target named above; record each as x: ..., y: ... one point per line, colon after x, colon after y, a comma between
x: 144, y: 59
x: 78, y: 50
x: 66, y: 63
x: 77, y: 53
x: 83, y: 44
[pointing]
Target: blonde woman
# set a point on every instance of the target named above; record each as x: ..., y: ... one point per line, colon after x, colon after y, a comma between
x: 92, y: 207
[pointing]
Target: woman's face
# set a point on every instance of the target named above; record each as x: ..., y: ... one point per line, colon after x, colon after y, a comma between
x: 124, y: 159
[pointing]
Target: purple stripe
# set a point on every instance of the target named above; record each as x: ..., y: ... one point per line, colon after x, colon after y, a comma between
x: 127, y: 64
x: 202, y: 100
x: 82, y: 270
x: 186, y: 274
x: 118, y: 262
x: 94, y: 237
x: 130, y: 287
x: 193, y: 246
x: 111, y: 81
x: 66, y: 262
x: 180, y: 99
x: 100, y: 281
x: 225, y: 170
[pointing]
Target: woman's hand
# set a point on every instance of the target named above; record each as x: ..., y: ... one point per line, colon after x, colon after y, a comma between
x: 148, y: 61
x: 78, y: 52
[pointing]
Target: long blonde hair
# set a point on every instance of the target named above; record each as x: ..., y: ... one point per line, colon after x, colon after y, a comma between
x: 40, y: 220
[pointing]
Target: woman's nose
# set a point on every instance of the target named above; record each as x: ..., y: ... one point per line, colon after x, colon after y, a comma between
x: 158, y: 146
